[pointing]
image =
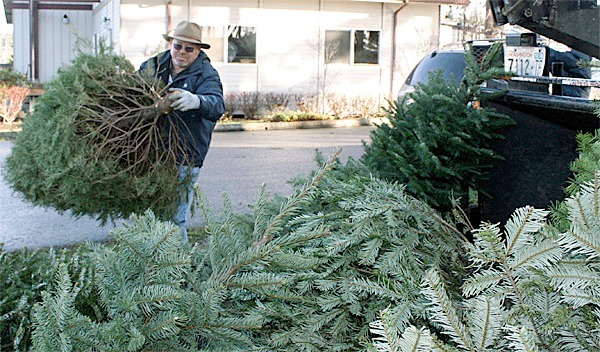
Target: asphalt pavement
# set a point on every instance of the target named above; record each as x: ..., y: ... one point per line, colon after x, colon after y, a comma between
x: 237, y: 164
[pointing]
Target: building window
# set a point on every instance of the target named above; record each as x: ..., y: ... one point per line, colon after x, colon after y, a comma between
x: 364, y: 47
x: 230, y: 44
x: 241, y: 44
x: 337, y: 47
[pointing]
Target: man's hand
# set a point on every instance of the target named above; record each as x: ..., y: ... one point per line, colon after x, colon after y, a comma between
x: 183, y: 100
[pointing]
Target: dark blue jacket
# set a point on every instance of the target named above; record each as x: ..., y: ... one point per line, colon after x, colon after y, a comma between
x: 194, y: 127
x: 570, y: 60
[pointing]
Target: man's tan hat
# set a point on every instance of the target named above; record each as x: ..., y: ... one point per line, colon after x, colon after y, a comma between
x: 188, y: 32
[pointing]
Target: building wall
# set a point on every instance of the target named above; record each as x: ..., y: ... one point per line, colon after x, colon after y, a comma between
x: 141, y: 27
x: 289, y: 41
x: 20, y: 20
x: 58, y: 42
x: 6, y: 49
x: 356, y: 79
x: 106, y: 23
x: 417, y: 35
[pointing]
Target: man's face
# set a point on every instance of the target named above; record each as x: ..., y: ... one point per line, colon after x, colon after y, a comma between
x: 183, y: 53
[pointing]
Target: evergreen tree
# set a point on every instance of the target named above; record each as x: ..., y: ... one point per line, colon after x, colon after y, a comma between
x: 437, y: 141
x: 94, y: 143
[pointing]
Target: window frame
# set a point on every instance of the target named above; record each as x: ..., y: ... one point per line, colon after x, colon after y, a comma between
x: 228, y: 30
x: 352, y: 47
x: 223, y: 43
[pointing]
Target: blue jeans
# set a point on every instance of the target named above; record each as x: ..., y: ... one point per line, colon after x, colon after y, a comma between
x: 190, y: 177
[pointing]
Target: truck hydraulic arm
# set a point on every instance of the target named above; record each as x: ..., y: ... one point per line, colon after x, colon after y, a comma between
x: 574, y: 23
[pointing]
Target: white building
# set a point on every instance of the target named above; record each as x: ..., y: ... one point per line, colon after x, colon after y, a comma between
x: 351, y: 47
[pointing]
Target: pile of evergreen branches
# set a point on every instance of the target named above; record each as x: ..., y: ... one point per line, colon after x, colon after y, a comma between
x: 533, y: 288
x: 24, y: 275
x: 94, y: 144
x: 312, y: 272
x: 305, y: 274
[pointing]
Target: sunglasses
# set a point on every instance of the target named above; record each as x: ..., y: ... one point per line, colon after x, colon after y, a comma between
x: 188, y: 49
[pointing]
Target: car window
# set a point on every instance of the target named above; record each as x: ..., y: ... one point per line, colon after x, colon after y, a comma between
x: 452, y: 64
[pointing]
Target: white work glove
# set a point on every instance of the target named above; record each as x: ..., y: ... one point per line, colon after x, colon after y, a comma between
x: 183, y: 100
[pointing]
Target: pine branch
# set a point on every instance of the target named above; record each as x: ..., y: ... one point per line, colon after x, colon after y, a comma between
x: 566, y: 276
x: 291, y: 205
x: 55, y: 317
x: 485, y: 320
x: 581, y: 238
x: 521, y: 339
x: 442, y: 311
x: 260, y: 249
x: 482, y: 280
x: 416, y: 340
x: 386, y: 337
x: 538, y: 255
x: 522, y: 224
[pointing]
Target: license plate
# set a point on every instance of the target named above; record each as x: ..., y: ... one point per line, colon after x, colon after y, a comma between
x: 525, y: 60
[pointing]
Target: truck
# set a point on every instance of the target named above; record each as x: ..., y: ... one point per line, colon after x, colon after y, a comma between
x: 548, y: 99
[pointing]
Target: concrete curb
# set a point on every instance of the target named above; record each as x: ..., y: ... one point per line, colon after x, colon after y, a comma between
x: 8, y: 135
x: 266, y: 126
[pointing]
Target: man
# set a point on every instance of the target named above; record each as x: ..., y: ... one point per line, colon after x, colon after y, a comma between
x: 196, y: 96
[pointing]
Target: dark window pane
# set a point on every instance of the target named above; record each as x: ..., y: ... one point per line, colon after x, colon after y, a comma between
x: 451, y: 63
x: 366, y: 47
x: 337, y: 47
x: 241, y: 44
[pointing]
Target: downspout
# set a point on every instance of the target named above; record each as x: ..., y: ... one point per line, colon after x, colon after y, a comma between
x: 33, y: 41
x: 394, y: 30
x: 319, y: 55
x: 168, y: 24
x: 257, y: 63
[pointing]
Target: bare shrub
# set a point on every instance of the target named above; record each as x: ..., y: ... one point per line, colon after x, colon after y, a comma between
x: 11, y: 102
x: 307, y: 103
x: 232, y: 104
x: 339, y: 105
x: 365, y: 106
x: 344, y: 106
x: 250, y: 103
x: 276, y: 102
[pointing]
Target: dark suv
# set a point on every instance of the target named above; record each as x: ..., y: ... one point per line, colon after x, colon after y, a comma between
x: 452, y: 64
